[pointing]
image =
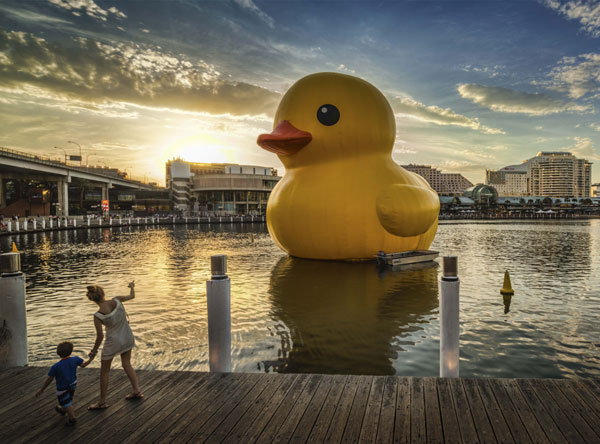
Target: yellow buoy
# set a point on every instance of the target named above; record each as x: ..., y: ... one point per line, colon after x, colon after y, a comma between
x: 507, y: 287
x: 14, y: 249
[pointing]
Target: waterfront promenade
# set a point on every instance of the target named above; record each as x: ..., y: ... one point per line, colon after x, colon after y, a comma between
x: 276, y: 408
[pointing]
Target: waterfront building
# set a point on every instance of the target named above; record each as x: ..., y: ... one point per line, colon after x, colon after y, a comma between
x: 596, y: 190
x: 511, y: 180
x: 221, y: 189
x: 550, y: 173
x: 443, y: 183
x: 482, y: 194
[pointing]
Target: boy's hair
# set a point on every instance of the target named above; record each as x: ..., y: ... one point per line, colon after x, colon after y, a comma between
x: 64, y: 349
x: 95, y: 293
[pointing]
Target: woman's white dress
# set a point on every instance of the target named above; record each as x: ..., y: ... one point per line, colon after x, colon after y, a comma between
x: 119, y: 337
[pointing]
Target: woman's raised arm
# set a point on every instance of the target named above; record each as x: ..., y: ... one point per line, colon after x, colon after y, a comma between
x: 131, y: 293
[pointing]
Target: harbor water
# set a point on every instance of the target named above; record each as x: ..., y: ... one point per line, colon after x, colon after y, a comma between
x: 293, y: 315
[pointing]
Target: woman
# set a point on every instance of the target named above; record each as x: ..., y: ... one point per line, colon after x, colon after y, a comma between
x: 119, y: 339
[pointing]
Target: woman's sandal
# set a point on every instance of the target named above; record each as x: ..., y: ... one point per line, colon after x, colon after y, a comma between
x: 137, y: 395
x: 98, y: 406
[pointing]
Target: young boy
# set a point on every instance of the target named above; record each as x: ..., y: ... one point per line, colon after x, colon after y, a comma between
x: 65, y: 372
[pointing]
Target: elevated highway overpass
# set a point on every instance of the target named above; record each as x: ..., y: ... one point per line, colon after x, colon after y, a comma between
x: 24, y: 166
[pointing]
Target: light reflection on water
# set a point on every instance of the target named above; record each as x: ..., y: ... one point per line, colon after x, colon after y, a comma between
x: 293, y: 315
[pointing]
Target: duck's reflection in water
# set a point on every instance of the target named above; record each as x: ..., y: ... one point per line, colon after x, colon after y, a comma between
x: 344, y: 317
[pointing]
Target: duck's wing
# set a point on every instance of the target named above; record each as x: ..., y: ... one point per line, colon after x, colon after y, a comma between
x: 407, y: 210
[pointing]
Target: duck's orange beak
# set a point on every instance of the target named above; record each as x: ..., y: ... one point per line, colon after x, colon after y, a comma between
x: 285, y: 139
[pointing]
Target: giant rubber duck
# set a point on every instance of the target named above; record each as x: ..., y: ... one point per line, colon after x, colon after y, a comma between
x: 342, y: 196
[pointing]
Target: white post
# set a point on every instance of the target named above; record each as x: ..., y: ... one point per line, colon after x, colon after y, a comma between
x: 173, y: 219
x: 88, y: 221
x: 9, y: 226
x: 74, y: 222
x: 138, y: 220
x: 25, y: 225
x: 218, y: 301
x: 34, y: 224
x: 449, y: 318
x: 58, y: 222
x: 186, y: 220
x: 17, y: 225
x: 13, y: 315
x: 43, y: 224
x: 129, y: 222
x: 110, y: 221
x: 51, y: 222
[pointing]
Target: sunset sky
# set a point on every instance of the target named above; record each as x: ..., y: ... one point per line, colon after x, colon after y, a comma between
x: 474, y: 85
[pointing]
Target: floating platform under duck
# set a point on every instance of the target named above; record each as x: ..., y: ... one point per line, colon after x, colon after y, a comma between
x: 406, y: 257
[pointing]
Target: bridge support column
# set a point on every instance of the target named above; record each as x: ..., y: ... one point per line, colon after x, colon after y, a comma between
x: 63, y: 197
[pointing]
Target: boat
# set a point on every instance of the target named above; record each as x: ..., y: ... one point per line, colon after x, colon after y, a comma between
x: 406, y: 257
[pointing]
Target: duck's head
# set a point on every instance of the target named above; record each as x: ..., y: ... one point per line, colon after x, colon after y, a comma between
x: 329, y: 116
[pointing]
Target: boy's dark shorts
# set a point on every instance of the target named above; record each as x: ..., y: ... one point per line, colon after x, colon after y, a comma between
x: 65, y: 397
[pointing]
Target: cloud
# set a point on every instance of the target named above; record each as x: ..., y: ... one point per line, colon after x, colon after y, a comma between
x: 33, y: 17
x: 577, y: 76
x: 490, y: 71
x: 511, y: 101
x: 343, y: 67
x: 87, y: 71
x: 88, y: 7
x: 251, y: 6
x: 595, y: 126
x: 404, y: 106
x: 583, y: 148
x: 586, y: 13
x: 461, y: 166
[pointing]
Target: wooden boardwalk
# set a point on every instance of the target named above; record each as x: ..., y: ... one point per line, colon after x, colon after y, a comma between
x: 271, y: 408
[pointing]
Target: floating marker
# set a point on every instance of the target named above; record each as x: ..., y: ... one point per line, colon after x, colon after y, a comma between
x: 14, y: 248
x: 507, y: 287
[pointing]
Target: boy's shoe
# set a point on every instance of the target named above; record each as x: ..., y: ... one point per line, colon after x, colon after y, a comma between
x: 71, y: 422
x: 58, y: 409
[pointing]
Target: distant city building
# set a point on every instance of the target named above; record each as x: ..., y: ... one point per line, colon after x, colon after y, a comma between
x: 219, y: 189
x: 596, y: 190
x: 443, y: 183
x: 551, y: 174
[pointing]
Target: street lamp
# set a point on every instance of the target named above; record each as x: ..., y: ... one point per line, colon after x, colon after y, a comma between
x: 87, y: 157
x: 64, y: 151
x: 75, y: 143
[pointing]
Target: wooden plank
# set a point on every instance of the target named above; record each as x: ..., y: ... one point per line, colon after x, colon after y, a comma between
x: 588, y: 396
x: 523, y: 410
x: 516, y: 426
x: 308, y: 420
x: 266, y: 405
x: 161, y: 421
x: 560, y: 419
x: 199, y: 415
x: 340, y: 416
x: 23, y: 389
x: 357, y: 411
x: 577, y: 403
x: 253, y: 400
x: 140, y: 413
x: 370, y: 424
x: 448, y: 412
x: 466, y: 424
x: 482, y: 424
x: 321, y: 425
x: 418, y: 428
x: 433, y: 417
x: 385, y: 428
x: 295, y: 400
x: 243, y: 396
x: 402, y: 418
x: 541, y: 415
x: 494, y: 413
x: 287, y: 428
x: 18, y: 377
x: 270, y: 418
x: 569, y: 408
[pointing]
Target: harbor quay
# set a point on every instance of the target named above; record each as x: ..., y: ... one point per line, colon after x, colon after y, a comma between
x: 191, y: 407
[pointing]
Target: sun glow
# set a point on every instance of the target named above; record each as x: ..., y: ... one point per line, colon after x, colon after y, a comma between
x: 201, y: 148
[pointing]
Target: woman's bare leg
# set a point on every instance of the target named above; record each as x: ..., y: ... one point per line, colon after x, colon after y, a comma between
x: 126, y: 362
x: 104, y: 373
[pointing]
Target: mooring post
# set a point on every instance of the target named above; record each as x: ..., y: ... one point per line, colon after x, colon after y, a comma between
x: 9, y: 226
x: 34, y: 224
x: 13, y: 315
x: 43, y: 224
x: 218, y: 301
x: 17, y: 225
x: 449, y: 318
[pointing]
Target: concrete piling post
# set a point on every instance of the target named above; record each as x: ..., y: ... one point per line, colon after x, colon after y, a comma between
x: 51, y: 222
x: 449, y: 318
x: 43, y: 224
x: 218, y: 300
x: 13, y: 315
x: 17, y: 225
x: 34, y: 223
x: 25, y: 225
x: 9, y: 226
x: 74, y: 222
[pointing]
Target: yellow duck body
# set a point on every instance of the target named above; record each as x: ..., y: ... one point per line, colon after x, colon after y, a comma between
x: 343, y: 197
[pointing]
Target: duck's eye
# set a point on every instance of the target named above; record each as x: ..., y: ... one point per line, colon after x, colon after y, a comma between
x: 328, y: 115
